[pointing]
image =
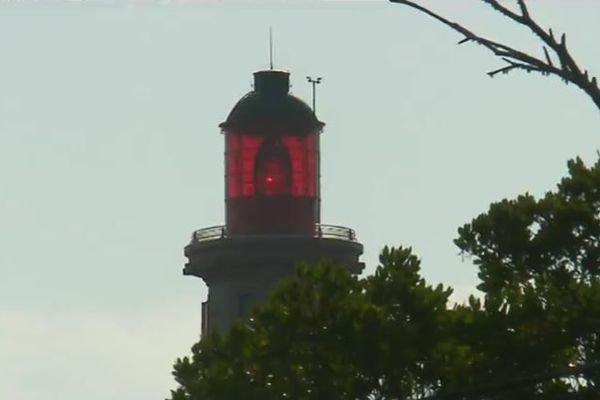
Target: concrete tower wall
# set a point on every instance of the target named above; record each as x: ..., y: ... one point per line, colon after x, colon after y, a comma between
x: 241, y: 271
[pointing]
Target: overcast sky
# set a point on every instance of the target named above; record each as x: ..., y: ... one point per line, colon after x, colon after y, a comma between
x: 110, y: 157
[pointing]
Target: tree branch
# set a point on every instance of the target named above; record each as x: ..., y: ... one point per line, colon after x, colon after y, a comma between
x: 567, y: 70
x: 518, y: 383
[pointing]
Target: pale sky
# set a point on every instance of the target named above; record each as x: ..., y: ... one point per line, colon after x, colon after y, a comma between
x: 110, y: 157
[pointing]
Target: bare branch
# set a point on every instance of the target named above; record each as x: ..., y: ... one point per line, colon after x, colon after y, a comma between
x: 503, y: 70
x: 568, y: 70
x: 524, y: 10
x: 503, y: 10
x: 548, y: 59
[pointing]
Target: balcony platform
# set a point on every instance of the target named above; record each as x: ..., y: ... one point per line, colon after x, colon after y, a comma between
x: 213, y: 253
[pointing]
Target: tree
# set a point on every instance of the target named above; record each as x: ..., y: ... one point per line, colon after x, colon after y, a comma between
x: 539, y: 266
x: 556, y: 60
x: 535, y: 334
x: 326, y: 334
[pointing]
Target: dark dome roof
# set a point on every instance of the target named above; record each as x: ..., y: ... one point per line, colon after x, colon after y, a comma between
x: 270, y: 105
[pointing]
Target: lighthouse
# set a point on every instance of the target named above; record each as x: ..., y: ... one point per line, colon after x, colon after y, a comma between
x: 272, y: 205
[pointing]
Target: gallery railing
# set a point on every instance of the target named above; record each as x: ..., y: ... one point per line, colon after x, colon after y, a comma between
x: 320, y: 231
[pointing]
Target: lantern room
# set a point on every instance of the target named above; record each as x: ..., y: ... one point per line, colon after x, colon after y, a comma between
x: 271, y: 161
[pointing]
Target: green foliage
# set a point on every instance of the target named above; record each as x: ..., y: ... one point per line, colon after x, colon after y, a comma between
x: 539, y: 269
x: 557, y: 236
x: 325, y: 334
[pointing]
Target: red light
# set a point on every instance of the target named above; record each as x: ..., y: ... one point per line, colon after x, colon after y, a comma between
x: 286, y: 166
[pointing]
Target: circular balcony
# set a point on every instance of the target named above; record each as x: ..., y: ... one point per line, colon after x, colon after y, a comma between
x: 320, y: 231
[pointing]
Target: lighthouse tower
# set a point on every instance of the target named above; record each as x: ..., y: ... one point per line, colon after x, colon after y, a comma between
x: 272, y: 205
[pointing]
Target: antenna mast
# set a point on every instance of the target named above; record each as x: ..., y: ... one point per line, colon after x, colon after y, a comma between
x: 271, y: 47
x: 314, y: 83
